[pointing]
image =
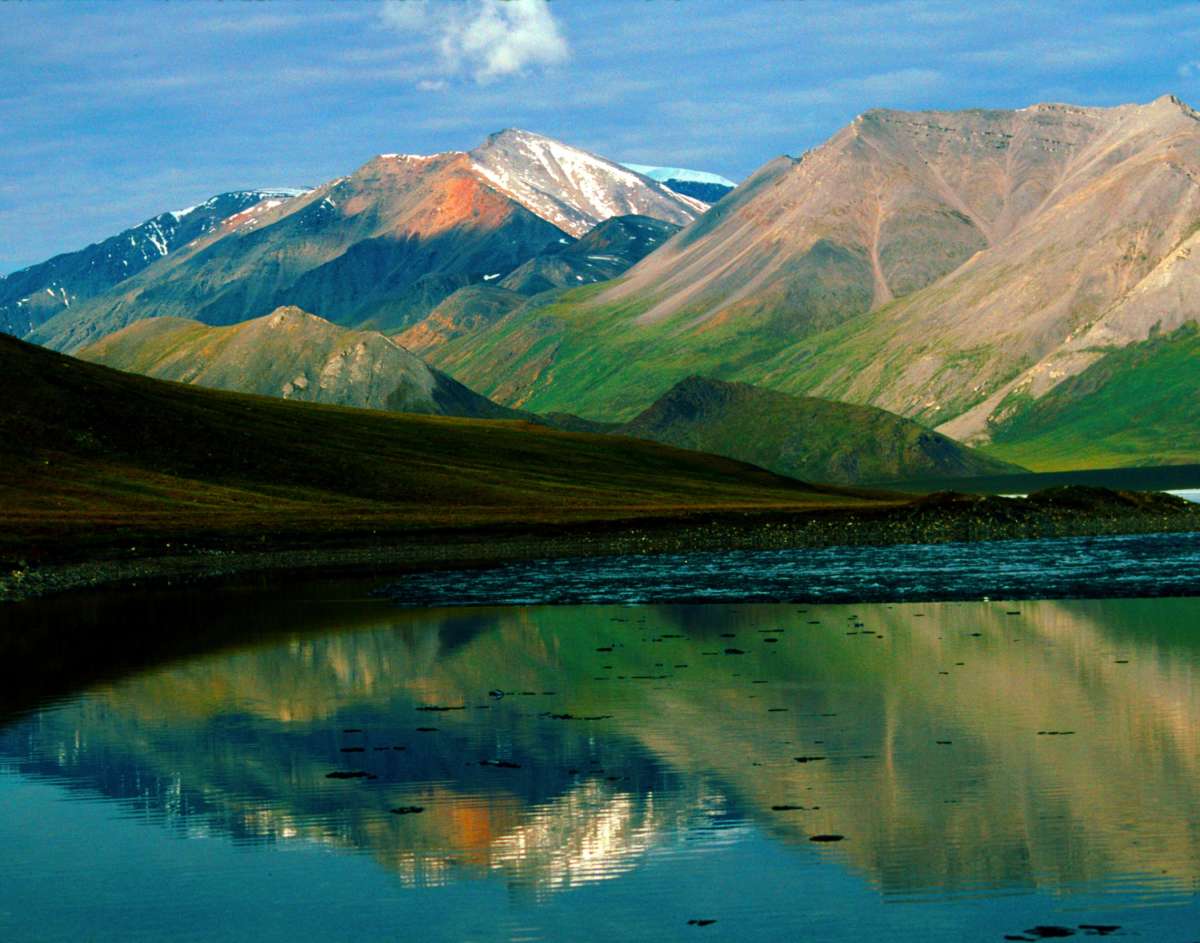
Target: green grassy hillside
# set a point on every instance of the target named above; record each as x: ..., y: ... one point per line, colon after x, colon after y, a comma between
x: 804, y: 437
x: 1136, y: 406
x: 92, y: 459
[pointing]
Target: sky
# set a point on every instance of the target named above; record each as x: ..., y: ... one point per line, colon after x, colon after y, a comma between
x: 112, y: 112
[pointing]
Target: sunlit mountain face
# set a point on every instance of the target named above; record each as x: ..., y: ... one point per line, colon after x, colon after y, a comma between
x: 1015, y: 753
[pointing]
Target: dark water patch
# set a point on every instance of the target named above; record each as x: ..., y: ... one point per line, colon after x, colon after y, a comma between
x: 1067, y: 568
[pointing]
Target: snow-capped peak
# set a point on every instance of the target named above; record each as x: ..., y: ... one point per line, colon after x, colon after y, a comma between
x: 572, y: 188
x: 662, y: 174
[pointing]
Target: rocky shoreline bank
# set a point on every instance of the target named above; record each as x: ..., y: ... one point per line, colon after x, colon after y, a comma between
x: 937, y: 518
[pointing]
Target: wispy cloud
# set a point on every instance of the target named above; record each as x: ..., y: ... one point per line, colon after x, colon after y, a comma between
x: 487, y: 39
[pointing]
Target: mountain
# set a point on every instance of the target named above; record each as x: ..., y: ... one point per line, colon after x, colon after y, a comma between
x: 694, y: 183
x: 294, y: 355
x: 468, y: 311
x: 604, y: 252
x: 951, y: 267
x: 383, y: 246
x: 804, y: 437
x: 35, y: 294
x: 1134, y: 402
x: 574, y: 189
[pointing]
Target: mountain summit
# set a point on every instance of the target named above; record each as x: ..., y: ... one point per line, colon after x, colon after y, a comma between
x: 574, y: 189
x: 952, y: 267
x: 382, y: 247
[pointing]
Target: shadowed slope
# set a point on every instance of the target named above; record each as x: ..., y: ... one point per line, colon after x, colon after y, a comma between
x: 803, y: 436
x: 92, y: 459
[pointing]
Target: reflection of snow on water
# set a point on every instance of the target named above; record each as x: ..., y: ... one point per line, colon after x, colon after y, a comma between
x: 1188, y: 494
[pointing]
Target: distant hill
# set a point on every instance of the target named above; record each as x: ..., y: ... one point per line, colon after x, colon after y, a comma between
x: 293, y: 355
x: 469, y: 310
x: 804, y: 437
x: 604, y: 252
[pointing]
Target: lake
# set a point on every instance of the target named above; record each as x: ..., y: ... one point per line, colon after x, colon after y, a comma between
x: 326, y: 764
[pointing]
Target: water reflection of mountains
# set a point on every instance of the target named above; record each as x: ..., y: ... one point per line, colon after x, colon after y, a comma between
x: 960, y: 746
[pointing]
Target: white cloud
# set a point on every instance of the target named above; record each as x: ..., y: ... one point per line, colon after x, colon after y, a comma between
x: 1189, y: 69
x: 488, y: 39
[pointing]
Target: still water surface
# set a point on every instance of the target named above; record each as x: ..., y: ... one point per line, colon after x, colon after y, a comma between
x: 995, y: 770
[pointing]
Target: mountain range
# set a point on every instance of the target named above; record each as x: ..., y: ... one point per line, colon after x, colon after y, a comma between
x: 294, y: 355
x: 1009, y: 278
x: 952, y: 267
x: 35, y: 294
x: 383, y: 246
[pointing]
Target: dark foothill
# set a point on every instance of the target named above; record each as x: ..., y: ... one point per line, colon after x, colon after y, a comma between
x: 701, y: 923
x: 353, y: 749
x: 770, y: 641
x: 605, y: 648
x: 578, y: 717
x: 734, y: 651
x: 787, y: 808
x: 439, y: 709
x: 807, y: 759
x: 426, y: 729
x: 350, y: 774
x: 943, y: 743
x: 825, y: 838
x: 496, y: 693
x: 352, y: 730
x: 399, y: 748
x: 728, y: 635
x: 1012, y: 612
x: 500, y: 764
x: 407, y: 810
x: 776, y: 710
x: 1121, y: 661
x: 377, y: 749
x: 1049, y: 932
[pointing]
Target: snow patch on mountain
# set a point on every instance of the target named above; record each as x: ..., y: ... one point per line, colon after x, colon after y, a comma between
x: 571, y: 188
x: 663, y: 174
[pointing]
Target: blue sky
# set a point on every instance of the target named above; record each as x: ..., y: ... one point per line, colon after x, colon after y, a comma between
x: 111, y: 112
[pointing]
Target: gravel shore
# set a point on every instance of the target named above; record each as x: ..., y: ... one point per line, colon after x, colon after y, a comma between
x: 938, y: 518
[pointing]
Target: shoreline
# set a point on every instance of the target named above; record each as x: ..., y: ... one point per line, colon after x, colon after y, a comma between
x: 938, y: 518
